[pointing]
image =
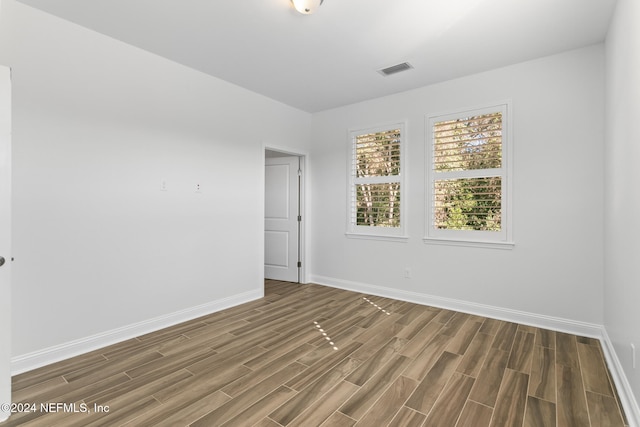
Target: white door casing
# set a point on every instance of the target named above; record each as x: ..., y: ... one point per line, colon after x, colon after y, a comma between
x: 281, y: 218
x: 5, y: 240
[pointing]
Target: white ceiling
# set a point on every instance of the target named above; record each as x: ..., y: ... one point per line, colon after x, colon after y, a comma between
x: 316, y: 62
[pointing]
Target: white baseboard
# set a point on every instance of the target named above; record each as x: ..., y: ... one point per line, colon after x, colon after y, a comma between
x: 627, y: 398
x: 584, y: 329
x: 547, y: 322
x: 37, y: 359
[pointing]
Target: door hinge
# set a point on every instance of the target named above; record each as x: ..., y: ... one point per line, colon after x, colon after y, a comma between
x: 299, y: 218
x: 299, y: 264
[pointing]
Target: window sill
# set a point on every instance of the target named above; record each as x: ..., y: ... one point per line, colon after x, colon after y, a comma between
x: 402, y: 239
x: 469, y: 243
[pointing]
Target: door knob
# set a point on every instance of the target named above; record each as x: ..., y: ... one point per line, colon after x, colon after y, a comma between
x: 1, y: 261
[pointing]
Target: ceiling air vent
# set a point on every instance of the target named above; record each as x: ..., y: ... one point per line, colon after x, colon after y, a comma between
x: 394, y: 69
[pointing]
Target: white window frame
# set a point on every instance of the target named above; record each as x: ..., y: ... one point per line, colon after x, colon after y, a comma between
x: 502, y: 239
x: 372, y: 232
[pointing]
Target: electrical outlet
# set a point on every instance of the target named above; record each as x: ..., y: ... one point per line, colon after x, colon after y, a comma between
x: 407, y: 273
x: 163, y: 185
x: 198, y: 188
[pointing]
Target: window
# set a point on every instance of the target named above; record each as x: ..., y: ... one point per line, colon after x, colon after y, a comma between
x: 468, y: 178
x: 376, y: 205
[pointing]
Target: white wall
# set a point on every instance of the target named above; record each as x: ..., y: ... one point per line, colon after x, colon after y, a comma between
x: 556, y: 267
x: 622, y: 175
x: 97, y: 126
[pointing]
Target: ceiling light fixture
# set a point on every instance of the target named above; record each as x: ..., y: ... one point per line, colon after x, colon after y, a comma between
x: 306, y: 7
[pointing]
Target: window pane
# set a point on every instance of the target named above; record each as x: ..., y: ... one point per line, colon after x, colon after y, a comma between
x: 378, y: 154
x: 468, y: 143
x: 378, y: 205
x: 468, y: 204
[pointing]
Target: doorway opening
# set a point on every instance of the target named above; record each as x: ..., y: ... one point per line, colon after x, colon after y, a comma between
x: 5, y: 241
x: 284, y: 217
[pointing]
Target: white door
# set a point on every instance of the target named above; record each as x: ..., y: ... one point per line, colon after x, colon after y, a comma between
x: 5, y: 239
x: 281, y: 218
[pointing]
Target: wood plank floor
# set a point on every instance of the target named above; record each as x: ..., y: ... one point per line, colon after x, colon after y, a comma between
x: 308, y: 355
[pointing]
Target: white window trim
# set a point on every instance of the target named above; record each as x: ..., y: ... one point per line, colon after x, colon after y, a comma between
x: 484, y: 239
x: 396, y: 234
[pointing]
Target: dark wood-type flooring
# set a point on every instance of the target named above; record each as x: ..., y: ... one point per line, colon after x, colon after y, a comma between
x: 308, y: 355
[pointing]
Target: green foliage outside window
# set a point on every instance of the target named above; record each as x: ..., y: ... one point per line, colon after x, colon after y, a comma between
x: 377, y: 184
x: 468, y: 144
